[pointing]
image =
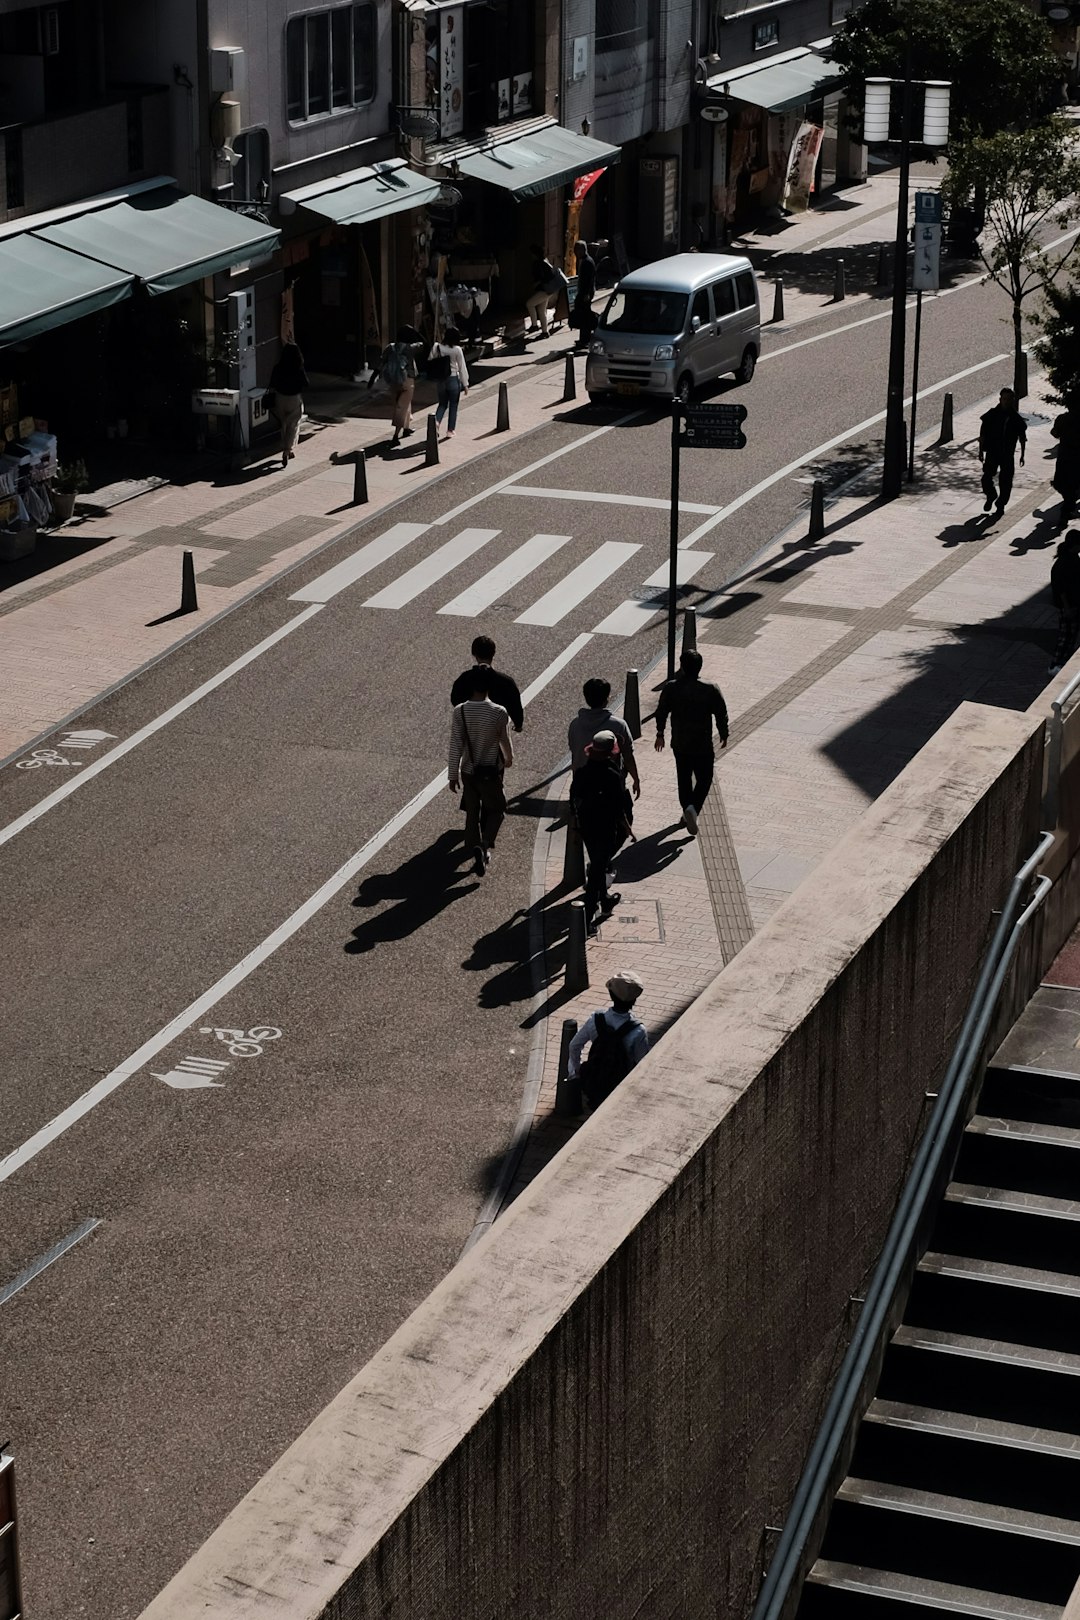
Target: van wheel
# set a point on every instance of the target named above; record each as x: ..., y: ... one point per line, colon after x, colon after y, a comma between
x: 684, y: 389
x: 747, y: 367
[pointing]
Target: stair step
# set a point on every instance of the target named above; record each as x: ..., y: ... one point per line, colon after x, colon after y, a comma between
x: 1019, y: 1203
x: 961, y: 1344
x: 914, y: 1590
x: 965, y: 1426
x: 959, y: 1510
x: 997, y: 1271
x: 1026, y: 1130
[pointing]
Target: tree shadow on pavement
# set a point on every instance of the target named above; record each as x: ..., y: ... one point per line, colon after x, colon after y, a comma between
x: 422, y: 886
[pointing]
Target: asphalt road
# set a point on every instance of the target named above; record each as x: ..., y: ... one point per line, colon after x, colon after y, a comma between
x: 259, y: 1238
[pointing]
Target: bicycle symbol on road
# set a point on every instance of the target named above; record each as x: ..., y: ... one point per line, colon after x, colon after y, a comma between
x: 44, y: 756
x: 244, y: 1043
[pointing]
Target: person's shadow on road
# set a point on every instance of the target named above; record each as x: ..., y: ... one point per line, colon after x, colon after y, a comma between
x: 422, y: 887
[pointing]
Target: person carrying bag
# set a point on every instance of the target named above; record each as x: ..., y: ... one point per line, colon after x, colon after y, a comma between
x: 480, y: 751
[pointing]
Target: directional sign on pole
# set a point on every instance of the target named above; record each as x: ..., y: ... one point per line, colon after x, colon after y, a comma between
x: 926, y: 270
x: 713, y: 427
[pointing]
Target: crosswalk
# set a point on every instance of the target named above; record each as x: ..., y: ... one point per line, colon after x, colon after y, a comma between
x: 497, y: 581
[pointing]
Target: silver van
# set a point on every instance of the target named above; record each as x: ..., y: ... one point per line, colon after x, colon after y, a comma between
x: 674, y: 325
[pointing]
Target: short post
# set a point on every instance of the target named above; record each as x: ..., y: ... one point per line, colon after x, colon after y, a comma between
x: 945, y: 436
x: 502, y: 420
x: 567, y: 1091
x: 359, y: 483
x: 632, y: 704
x: 573, y: 866
x: 884, y: 265
x: 577, y: 961
x: 689, y: 630
x: 570, y: 385
x: 431, y: 447
x: 839, y: 293
x: 189, y: 601
x: 817, y: 511
x: 778, y: 298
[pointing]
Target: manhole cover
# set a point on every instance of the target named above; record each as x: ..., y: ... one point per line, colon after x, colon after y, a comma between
x: 638, y: 922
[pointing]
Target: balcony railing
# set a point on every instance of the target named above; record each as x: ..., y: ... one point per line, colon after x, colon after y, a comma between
x: 48, y: 162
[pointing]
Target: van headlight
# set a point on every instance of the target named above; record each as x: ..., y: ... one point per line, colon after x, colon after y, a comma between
x: 597, y: 346
x: 665, y: 351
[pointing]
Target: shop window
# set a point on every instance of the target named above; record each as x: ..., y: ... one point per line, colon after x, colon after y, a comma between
x: 766, y: 34
x: 329, y: 61
x: 480, y: 63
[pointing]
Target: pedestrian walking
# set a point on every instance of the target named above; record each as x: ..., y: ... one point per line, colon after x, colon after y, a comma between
x: 1001, y: 429
x: 547, y: 284
x: 503, y: 688
x: 693, y: 705
x: 596, y: 716
x: 446, y: 364
x: 583, y: 317
x: 287, y: 383
x: 1065, y: 589
x: 601, y: 804
x: 616, y: 1040
x: 1066, y: 480
x: 397, y: 368
x: 480, y: 751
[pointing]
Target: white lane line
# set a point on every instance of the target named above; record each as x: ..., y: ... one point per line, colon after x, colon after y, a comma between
x: 88, y: 772
x: 579, y: 583
x: 43, y: 1261
x: 417, y: 580
x: 634, y: 614
x: 360, y: 563
x: 545, y: 461
x: 830, y: 444
x: 505, y: 575
x: 604, y: 499
x: 89, y: 1100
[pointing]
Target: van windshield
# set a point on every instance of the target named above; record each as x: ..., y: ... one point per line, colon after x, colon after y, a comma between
x: 641, y: 309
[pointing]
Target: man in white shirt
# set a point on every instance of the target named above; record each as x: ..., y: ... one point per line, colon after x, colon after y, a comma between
x: 480, y: 750
x: 617, y: 1041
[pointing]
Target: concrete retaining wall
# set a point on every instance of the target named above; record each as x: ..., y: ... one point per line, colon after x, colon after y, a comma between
x: 601, y: 1408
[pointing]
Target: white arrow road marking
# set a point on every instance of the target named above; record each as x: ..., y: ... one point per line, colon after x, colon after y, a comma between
x: 191, y: 1073
x: 86, y: 739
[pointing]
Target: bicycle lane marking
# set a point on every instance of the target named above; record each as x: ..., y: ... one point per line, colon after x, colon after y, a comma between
x: 183, y: 1021
x: 88, y: 772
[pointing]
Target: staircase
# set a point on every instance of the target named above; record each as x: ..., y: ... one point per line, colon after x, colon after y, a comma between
x: 964, y: 1491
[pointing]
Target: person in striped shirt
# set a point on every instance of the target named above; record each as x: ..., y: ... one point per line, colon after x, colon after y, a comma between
x: 480, y: 751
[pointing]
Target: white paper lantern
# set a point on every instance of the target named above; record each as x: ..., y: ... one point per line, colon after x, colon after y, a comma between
x: 876, y: 111
x: 936, y: 113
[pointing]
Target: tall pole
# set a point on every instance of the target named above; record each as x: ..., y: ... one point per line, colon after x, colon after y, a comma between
x: 673, y: 539
x: 895, y: 448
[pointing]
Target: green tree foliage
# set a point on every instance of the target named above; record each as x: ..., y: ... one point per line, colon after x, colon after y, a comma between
x: 998, y: 55
x: 1059, y: 347
x: 1029, y: 180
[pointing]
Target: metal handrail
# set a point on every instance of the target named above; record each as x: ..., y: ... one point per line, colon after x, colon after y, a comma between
x: 898, y: 1251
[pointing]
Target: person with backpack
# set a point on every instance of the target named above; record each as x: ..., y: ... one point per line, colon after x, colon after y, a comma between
x: 601, y: 803
x: 397, y: 368
x: 446, y: 365
x: 616, y: 1040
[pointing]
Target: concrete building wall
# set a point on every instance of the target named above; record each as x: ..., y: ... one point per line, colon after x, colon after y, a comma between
x: 605, y: 1403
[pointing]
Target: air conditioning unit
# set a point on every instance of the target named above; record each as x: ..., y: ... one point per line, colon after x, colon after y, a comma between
x: 228, y: 70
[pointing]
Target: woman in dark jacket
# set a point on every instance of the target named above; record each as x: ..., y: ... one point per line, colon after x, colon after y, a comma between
x: 288, y: 380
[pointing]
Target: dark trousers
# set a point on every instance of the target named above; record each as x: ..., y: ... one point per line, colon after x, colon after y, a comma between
x: 484, y: 804
x: 1003, y: 468
x: 600, y: 849
x: 1066, y: 641
x: 694, y: 773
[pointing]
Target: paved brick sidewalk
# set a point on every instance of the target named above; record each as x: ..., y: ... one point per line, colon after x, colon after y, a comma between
x: 838, y: 659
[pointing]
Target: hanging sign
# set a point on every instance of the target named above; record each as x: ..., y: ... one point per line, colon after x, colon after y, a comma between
x: 451, y: 71
x: 583, y: 183
x: 713, y: 427
x: 926, y: 270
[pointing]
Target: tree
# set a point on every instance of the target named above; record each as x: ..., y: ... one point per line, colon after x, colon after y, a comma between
x: 1029, y: 179
x: 1059, y: 347
x: 997, y: 54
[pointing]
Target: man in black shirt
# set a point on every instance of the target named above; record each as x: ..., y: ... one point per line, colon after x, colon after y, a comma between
x: 1000, y: 430
x: 502, y: 689
x: 600, y: 801
x: 693, y: 705
x: 584, y: 318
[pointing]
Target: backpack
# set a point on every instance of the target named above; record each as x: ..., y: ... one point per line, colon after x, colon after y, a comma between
x: 608, y: 1061
x: 394, y: 369
x: 438, y: 367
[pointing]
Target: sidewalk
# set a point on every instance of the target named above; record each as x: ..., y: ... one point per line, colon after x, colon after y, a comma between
x: 838, y: 660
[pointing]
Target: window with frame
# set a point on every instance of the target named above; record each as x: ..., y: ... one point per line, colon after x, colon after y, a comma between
x: 839, y: 9
x: 766, y: 33
x: 329, y: 61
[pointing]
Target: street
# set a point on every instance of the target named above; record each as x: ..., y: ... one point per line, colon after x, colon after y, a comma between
x: 281, y: 854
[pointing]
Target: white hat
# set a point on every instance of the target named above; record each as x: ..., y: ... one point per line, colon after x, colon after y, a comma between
x: 604, y: 741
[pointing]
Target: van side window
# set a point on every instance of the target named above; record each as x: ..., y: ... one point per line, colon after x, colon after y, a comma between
x: 744, y: 286
x: 723, y: 293
x: 701, y: 307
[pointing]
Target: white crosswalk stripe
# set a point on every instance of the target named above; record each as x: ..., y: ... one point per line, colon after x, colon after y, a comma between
x: 432, y: 569
x: 579, y: 583
x: 360, y: 563
x: 505, y: 575
x: 633, y: 615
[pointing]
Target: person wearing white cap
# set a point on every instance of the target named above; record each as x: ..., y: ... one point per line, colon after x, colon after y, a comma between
x: 617, y: 1042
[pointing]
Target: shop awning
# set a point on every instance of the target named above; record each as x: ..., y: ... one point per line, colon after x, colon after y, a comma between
x: 780, y: 85
x: 537, y: 161
x: 42, y: 286
x: 164, y: 239
x: 364, y: 194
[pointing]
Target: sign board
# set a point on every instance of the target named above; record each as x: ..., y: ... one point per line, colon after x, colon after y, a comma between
x: 451, y: 71
x: 714, y: 113
x: 713, y: 427
x: 581, y: 57
x: 926, y: 269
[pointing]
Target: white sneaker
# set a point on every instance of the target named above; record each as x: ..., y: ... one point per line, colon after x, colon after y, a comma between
x: 690, y: 817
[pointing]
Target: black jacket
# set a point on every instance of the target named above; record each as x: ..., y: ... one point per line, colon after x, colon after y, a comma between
x: 586, y: 282
x: 600, y: 799
x: 288, y: 377
x: 1000, y: 430
x: 503, y: 690
x: 1065, y: 582
x: 693, y: 706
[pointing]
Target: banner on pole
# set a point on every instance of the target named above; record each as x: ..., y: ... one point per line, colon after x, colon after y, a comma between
x: 802, y: 161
